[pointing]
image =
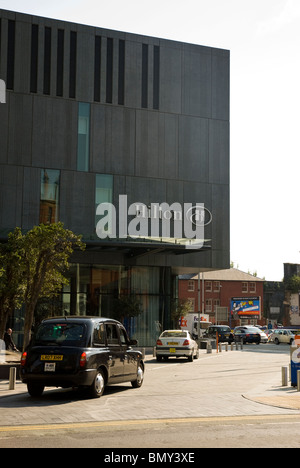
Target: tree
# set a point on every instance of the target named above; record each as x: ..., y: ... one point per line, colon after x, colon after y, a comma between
x: 293, y: 284
x: 179, y: 308
x: 46, y: 249
x: 126, y: 307
x: 12, y: 286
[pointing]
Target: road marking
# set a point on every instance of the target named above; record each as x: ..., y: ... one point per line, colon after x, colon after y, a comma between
x: 267, y: 419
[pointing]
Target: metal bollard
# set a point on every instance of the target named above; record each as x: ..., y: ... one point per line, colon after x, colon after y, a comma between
x: 154, y: 351
x: 220, y: 347
x: 12, y: 378
x: 226, y: 347
x: 231, y: 346
x: 298, y: 380
x: 208, y: 348
x: 284, y: 376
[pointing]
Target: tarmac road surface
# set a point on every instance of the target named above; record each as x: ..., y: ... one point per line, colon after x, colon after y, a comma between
x: 232, y: 398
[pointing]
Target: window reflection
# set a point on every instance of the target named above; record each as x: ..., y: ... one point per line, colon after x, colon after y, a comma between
x: 83, y: 149
x: 49, y: 201
x: 94, y: 289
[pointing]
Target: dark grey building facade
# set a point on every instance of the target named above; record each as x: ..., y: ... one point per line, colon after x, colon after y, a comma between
x: 91, y: 114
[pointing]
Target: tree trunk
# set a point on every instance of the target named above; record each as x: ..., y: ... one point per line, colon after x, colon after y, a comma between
x: 29, y: 316
x: 4, y: 314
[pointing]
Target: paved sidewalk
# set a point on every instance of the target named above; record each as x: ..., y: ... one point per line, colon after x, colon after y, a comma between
x: 276, y: 396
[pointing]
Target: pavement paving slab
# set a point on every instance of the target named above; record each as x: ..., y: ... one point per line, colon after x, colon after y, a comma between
x: 233, y: 383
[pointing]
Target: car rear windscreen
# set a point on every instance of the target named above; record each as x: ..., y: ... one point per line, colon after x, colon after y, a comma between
x: 60, y: 333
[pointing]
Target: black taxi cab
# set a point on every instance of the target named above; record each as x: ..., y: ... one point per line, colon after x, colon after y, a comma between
x: 84, y: 352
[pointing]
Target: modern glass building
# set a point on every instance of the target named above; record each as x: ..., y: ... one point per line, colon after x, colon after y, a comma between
x: 135, y: 125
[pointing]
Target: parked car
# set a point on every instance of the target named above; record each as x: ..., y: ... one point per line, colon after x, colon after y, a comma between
x: 85, y: 352
x: 247, y: 335
x: 263, y: 336
x: 282, y: 336
x: 176, y: 343
x: 224, y: 333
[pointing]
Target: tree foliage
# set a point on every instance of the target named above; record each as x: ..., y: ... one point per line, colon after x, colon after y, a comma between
x: 293, y: 284
x: 179, y: 308
x: 126, y: 307
x: 12, y: 285
x: 34, y: 265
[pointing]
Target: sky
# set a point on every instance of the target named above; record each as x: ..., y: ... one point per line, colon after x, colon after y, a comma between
x: 263, y: 37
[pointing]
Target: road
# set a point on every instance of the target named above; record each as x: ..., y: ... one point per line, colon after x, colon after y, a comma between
x: 228, y: 399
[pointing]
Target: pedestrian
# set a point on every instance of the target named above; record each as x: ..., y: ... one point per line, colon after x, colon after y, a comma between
x: 9, y: 344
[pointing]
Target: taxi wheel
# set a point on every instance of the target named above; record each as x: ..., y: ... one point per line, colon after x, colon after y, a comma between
x: 139, y: 378
x: 35, y: 390
x: 97, y: 388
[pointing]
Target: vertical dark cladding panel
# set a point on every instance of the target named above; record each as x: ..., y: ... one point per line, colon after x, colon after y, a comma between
x: 47, y: 61
x: 60, y: 63
x: 97, y: 69
x: 121, y: 76
x: 11, y: 54
x: 34, y: 57
x: 156, y: 72
x: 73, y: 64
x: 145, y: 54
x: 109, y: 70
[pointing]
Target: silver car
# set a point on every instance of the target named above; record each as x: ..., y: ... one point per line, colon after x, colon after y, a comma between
x: 282, y: 336
x: 176, y: 343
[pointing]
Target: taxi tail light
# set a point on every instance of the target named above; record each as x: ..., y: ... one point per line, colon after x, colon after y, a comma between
x: 82, y: 361
x: 159, y: 343
x: 186, y: 343
x: 23, y: 359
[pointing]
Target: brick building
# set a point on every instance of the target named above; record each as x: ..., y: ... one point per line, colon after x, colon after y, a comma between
x: 228, y: 296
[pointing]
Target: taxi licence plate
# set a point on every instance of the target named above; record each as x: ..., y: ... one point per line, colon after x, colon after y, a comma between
x: 50, y: 366
x: 172, y: 343
x: 52, y: 357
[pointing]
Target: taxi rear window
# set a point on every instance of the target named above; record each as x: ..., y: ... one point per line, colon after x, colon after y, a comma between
x: 174, y: 334
x: 60, y: 333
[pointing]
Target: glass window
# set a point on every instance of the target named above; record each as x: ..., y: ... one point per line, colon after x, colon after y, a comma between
x: 61, y: 333
x: 83, y: 148
x: 112, y: 335
x: 104, y: 194
x: 49, y: 201
x: 99, y: 335
x: 123, y: 336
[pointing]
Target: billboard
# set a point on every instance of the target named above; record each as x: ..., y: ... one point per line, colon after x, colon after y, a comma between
x: 245, y: 307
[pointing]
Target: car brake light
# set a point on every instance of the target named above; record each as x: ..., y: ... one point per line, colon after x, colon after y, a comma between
x: 23, y: 359
x: 159, y: 343
x: 82, y: 360
x: 186, y: 343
